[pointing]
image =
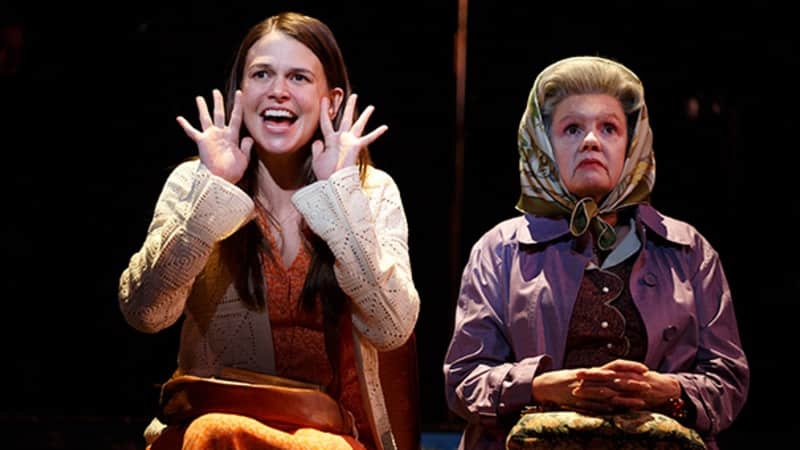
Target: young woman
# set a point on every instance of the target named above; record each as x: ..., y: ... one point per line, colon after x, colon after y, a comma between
x: 281, y: 247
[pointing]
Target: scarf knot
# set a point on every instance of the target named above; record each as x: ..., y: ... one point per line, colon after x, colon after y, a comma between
x: 585, y: 214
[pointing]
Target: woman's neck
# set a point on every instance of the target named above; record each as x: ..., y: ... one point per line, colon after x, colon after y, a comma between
x: 278, y: 179
x: 285, y: 169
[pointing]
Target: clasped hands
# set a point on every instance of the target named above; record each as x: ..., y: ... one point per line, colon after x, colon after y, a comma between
x: 618, y: 386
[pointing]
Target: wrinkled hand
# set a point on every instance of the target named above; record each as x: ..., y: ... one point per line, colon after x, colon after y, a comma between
x: 341, y: 147
x: 563, y: 387
x: 620, y: 385
x: 218, y: 143
x: 633, y: 384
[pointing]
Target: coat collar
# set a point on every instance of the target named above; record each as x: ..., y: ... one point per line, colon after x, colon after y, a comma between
x: 538, y: 230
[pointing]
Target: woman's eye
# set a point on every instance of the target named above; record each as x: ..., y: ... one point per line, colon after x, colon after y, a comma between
x: 610, y: 128
x: 571, y: 130
x: 260, y: 74
x: 299, y: 77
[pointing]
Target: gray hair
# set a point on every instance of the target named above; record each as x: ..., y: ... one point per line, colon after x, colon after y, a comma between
x: 589, y: 75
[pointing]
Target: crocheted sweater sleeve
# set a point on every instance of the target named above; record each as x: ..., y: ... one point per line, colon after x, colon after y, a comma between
x: 195, y: 210
x: 365, y: 227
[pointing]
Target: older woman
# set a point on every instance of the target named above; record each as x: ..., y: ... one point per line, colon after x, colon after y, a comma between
x: 592, y: 300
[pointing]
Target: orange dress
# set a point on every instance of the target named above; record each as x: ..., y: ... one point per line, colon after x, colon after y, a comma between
x: 299, y: 343
x: 298, y: 337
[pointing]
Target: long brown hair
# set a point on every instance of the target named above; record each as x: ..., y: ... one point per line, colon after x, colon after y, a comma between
x: 240, y: 251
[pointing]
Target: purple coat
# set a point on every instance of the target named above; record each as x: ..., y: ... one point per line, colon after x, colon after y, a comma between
x: 517, y: 292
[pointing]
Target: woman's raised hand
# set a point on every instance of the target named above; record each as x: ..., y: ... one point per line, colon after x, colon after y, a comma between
x: 341, y: 147
x: 218, y: 144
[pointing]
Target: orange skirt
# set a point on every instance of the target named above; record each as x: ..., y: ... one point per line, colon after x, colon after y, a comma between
x: 222, y: 431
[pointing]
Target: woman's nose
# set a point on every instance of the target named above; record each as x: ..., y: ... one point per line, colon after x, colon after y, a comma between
x: 279, y: 89
x: 590, y: 142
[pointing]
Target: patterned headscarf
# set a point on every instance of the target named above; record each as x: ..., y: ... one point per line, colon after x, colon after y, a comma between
x: 544, y: 194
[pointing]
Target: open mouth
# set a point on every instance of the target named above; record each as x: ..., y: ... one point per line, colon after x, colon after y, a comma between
x: 279, y: 116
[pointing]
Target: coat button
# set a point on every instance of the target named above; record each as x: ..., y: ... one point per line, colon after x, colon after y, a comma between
x: 649, y: 279
x: 669, y: 333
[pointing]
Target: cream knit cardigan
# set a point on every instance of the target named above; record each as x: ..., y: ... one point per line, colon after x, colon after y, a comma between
x: 175, y: 274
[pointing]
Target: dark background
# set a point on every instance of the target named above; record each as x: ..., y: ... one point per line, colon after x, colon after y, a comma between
x: 88, y: 135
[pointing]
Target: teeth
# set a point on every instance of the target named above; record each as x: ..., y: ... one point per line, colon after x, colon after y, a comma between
x: 278, y: 113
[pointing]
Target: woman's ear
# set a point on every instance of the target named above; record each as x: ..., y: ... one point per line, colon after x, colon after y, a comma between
x: 336, y: 95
